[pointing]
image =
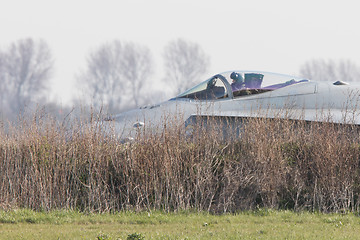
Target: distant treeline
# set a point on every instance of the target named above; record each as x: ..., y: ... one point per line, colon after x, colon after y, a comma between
x: 269, y: 164
x: 118, y: 76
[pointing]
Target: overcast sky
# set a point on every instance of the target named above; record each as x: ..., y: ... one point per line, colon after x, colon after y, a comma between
x: 274, y: 36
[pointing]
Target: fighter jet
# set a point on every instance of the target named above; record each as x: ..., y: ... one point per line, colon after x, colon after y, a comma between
x: 248, y: 94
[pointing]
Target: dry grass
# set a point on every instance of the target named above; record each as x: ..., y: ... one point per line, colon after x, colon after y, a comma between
x: 272, y: 164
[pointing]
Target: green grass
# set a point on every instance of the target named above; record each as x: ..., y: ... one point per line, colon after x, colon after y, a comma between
x: 262, y: 224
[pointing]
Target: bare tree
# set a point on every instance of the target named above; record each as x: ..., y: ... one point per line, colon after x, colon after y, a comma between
x: 2, y: 85
x: 26, y: 68
x: 136, y: 68
x: 185, y: 63
x: 331, y: 70
x: 101, y: 80
x: 116, y: 72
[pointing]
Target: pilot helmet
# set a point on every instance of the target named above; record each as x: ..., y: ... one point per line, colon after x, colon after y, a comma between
x: 236, y: 77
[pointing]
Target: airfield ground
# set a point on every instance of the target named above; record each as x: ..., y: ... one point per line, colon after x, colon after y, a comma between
x: 259, y: 224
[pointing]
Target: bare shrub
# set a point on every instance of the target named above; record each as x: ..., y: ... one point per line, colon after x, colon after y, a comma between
x: 268, y: 163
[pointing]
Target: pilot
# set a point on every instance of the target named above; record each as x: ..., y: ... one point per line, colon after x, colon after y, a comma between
x: 237, y: 81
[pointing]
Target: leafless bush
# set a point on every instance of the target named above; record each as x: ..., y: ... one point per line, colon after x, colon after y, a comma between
x: 266, y: 163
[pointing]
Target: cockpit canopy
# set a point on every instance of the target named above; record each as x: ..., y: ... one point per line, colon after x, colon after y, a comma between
x: 239, y: 83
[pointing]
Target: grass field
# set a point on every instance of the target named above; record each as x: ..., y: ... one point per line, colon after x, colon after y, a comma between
x: 261, y: 224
